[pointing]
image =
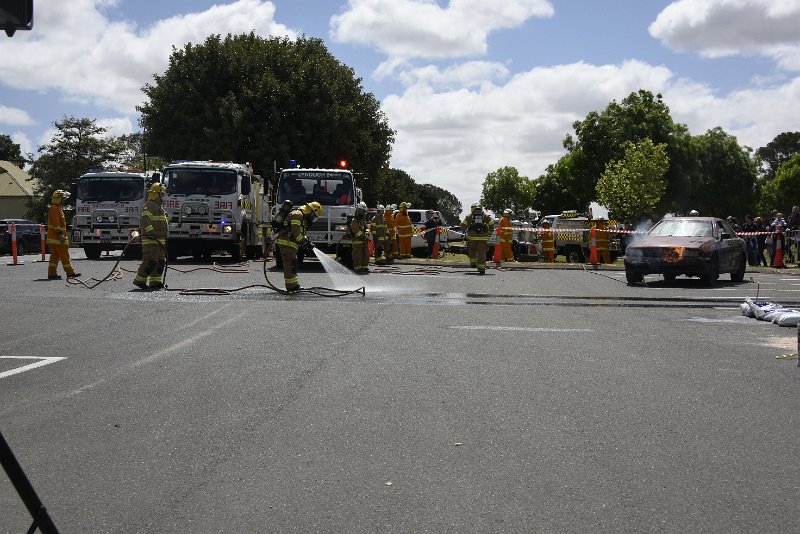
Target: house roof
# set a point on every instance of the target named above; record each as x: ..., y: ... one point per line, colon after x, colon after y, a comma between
x: 14, y: 182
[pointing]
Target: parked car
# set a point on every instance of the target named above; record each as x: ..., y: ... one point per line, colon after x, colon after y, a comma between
x: 28, y: 237
x: 691, y: 246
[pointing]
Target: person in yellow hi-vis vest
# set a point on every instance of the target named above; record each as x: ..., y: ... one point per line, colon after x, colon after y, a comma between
x: 402, y: 223
x: 57, y: 238
x: 153, y: 227
x: 391, y: 234
x: 479, y: 227
x: 548, y: 242
x: 603, y: 241
x: 506, y: 237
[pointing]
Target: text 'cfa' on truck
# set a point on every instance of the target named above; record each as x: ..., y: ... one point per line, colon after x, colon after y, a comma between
x: 335, y: 190
x: 214, y: 206
x: 108, y: 206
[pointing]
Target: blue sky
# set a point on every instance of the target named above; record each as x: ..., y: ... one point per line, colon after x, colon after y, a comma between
x: 469, y: 85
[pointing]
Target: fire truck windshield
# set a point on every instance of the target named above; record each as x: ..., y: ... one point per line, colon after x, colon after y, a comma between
x: 326, y: 187
x: 110, y: 188
x: 200, y: 181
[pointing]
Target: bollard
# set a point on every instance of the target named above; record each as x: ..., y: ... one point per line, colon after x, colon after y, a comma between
x: 14, y: 245
x: 42, y: 234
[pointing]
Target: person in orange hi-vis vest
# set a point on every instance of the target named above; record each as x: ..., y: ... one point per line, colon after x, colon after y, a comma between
x: 548, y: 242
x: 603, y: 241
x: 506, y: 237
x: 402, y: 223
x: 57, y: 238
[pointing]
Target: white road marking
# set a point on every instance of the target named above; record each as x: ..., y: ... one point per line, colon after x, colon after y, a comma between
x: 520, y: 328
x: 43, y: 360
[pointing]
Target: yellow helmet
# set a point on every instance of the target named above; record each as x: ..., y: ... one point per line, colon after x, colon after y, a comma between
x: 59, y: 195
x: 316, y: 207
x: 155, y: 191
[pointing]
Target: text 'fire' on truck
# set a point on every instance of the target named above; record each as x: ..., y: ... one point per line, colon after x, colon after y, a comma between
x: 213, y: 206
x: 335, y: 190
x: 107, y: 210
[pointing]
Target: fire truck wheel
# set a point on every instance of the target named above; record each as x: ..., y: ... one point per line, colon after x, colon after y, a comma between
x: 574, y: 255
x: 236, y: 253
x: 92, y: 252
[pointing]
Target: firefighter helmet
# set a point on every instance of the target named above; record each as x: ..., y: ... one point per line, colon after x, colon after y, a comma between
x: 507, y: 212
x: 312, y: 209
x: 361, y: 209
x: 403, y: 205
x: 155, y: 191
x: 693, y: 213
x: 60, y: 195
x: 476, y: 208
x: 380, y: 208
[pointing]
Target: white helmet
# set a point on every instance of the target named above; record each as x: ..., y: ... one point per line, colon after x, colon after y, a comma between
x: 380, y: 208
x: 361, y: 208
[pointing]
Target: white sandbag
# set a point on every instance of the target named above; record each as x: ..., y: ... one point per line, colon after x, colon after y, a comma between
x: 746, y: 311
x: 789, y: 319
x: 772, y: 315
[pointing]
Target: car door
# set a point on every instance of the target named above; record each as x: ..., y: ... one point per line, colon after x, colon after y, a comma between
x: 728, y: 247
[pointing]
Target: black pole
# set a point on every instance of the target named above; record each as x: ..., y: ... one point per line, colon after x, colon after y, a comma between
x: 41, y: 518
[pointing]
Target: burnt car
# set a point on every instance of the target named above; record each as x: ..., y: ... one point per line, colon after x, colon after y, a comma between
x: 692, y: 246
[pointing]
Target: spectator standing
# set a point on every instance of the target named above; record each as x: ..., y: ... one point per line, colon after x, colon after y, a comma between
x: 749, y: 227
x: 761, y: 241
x: 431, y: 236
x: 793, y: 234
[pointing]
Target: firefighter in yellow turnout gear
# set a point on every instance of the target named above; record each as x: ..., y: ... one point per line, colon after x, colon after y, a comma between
x: 404, y: 231
x: 391, y: 234
x: 57, y: 238
x: 292, y: 237
x: 380, y: 237
x: 153, y: 228
x: 603, y: 241
x: 479, y: 228
x: 358, y: 232
x: 506, y: 237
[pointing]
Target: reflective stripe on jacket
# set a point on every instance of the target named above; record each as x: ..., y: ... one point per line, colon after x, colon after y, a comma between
x: 294, y: 230
x: 153, y: 224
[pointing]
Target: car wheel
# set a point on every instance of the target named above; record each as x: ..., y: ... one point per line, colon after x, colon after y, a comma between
x: 670, y: 277
x: 710, y: 278
x: 21, y: 248
x: 738, y: 274
x: 634, y: 278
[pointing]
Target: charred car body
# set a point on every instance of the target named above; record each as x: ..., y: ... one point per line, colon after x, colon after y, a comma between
x: 691, y: 246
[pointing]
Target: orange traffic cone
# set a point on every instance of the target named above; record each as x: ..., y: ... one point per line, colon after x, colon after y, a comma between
x: 593, y: 247
x: 777, y: 238
x: 371, y: 247
x: 497, y: 257
x: 435, y: 253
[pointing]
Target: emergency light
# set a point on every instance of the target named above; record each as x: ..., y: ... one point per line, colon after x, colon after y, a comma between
x: 343, y: 163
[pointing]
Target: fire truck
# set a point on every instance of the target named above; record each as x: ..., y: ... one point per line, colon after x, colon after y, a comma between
x: 336, y: 191
x: 107, y: 210
x: 214, y: 206
x: 571, y: 233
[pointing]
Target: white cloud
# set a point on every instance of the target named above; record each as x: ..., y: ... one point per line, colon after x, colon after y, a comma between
x: 407, y: 29
x: 470, y: 74
x: 23, y: 141
x: 716, y: 28
x: 15, y: 116
x: 116, y: 126
x: 453, y: 138
x: 77, y: 51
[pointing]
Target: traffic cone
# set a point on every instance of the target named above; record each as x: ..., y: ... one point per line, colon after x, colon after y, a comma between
x: 371, y: 248
x: 435, y: 253
x: 593, y: 247
x: 497, y: 256
x: 777, y: 238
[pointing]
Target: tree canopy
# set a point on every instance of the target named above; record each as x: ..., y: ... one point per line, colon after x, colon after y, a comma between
x: 632, y: 187
x: 394, y: 186
x: 11, y: 151
x: 783, y: 189
x: 78, y: 145
x: 506, y: 189
x: 777, y: 152
x: 246, y: 98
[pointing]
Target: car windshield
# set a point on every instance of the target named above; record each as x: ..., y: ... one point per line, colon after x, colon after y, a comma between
x: 200, y: 181
x: 111, y: 188
x: 682, y: 228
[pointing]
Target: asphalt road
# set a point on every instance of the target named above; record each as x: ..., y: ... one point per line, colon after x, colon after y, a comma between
x: 530, y: 400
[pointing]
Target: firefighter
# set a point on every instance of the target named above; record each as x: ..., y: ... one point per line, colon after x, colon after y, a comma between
x: 479, y: 227
x: 57, y: 238
x: 358, y: 232
x: 380, y: 239
x: 548, y: 242
x: 153, y: 228
x: 391, y: 229
x: 404, y: 231
x: 506, y: 237
x: 292, y: 237
x: 602, y: 241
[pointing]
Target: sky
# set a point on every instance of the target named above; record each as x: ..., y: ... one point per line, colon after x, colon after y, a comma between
x: 469, y: 86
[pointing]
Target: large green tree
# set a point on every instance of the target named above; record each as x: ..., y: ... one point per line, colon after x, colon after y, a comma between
x: 553, y: 188
x: 602, y: 137
x: 777, y: 152
x: 394, y: 186
x: 727, y: 175
x: 77, y: 146
x: 246, y: 98
x: 781, y: 192
x: 11, y: 151
x: 506, y: 189
x: 632, y: 187
x: 435, y: 198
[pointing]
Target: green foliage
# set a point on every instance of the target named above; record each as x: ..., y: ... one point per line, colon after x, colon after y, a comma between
x: 246, y: 98
x: 12, y: 152
x: 779, y: 193
x: 77, y: 146
x: 727, y: 175
x: 134, y: 156
x: 441, y: 200
x: 395, y: 186
x: 506, y: 189
x: 632, y: 187
x: 777, y: 152
x: 553, y: 191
